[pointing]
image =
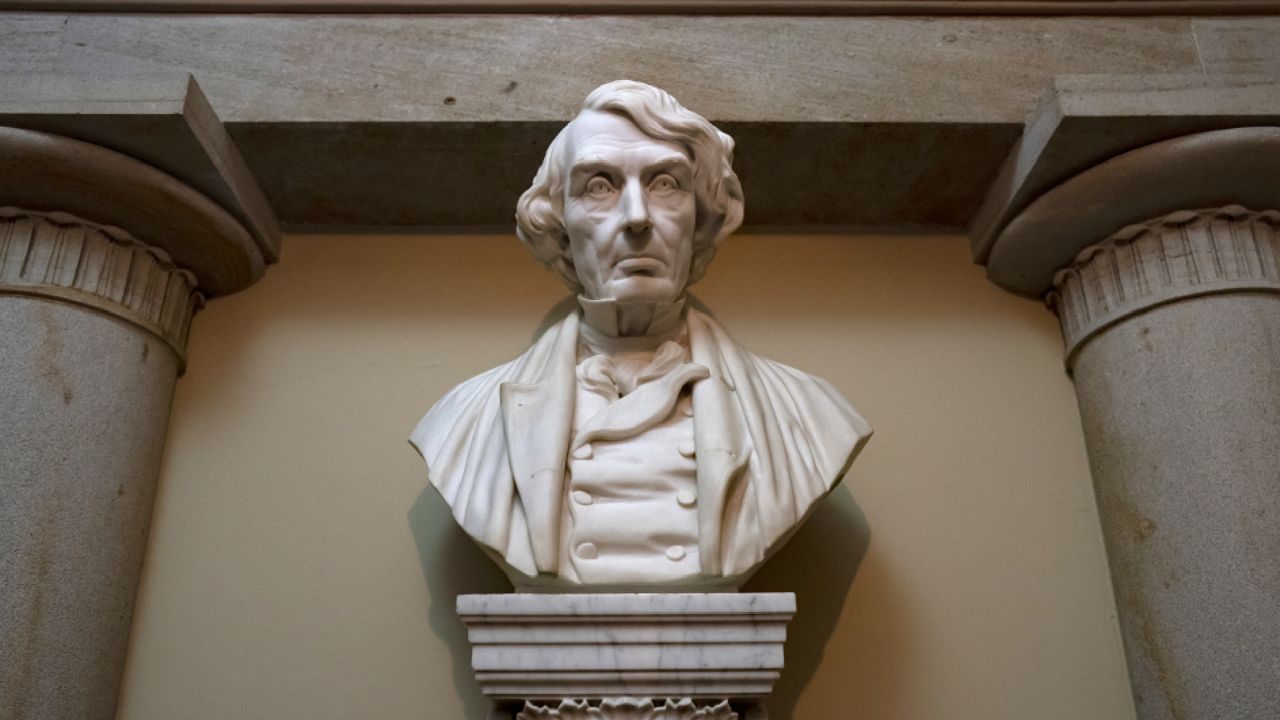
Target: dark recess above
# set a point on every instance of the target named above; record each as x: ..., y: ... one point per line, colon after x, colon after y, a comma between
x: 801, y: 176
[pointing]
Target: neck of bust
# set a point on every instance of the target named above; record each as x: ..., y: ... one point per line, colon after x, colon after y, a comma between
x: 610, y: 326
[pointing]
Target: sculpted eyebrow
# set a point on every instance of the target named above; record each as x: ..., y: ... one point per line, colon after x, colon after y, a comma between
x: 675, y: 162
x: 591, y: 167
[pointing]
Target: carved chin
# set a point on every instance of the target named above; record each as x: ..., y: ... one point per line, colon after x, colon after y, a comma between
x: 642, y: 288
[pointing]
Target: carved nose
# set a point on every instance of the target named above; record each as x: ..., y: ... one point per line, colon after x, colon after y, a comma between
x: 636, y: 209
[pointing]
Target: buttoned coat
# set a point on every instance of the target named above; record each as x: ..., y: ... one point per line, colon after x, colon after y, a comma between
x: 770, y: 440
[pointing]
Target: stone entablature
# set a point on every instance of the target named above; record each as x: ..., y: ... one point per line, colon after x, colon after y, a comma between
x: 1141, y: 8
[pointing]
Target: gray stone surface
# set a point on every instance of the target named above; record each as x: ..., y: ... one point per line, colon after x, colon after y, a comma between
x: 1181, y: 412
x: 84, y: 400
x: 1177, y: 257
x: 1236, y: 46
x: 163, y: 120
x: 501, y: 68
x: 51, y: 173
x: 1239, y: 166
x: 93, y: 326
x: 384, y: 176
x: 437, y: 121
x: 62, y: 257
x: 1143, y: 8
x: 1084, y: 120
x: 1162, y: 264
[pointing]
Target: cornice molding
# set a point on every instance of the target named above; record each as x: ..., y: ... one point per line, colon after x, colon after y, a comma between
x: 57, y: 255
x: 672, y: 7
x: 1214, y: 169
x: 51, y: 173
x: 1184, y: 254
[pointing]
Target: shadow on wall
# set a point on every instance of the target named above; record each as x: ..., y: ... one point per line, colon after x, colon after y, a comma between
x: 818, y: 565
x: 452, y: 565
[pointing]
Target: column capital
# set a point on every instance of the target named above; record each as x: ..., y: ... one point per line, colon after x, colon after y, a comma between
x: 60, y: 256
x: 48, y: 174
x: 1238, y: 166
x: 1180, y: 255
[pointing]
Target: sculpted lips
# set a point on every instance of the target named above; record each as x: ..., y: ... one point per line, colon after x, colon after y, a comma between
x: 639, y: 265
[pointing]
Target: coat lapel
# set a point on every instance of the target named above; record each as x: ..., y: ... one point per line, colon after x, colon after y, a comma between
x: 720, y: 435
x: 537, y: 418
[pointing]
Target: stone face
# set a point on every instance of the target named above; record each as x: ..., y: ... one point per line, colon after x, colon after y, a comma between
x: 707, y: 647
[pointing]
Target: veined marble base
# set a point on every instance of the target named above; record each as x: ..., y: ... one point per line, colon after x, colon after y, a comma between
x: 541, y: 649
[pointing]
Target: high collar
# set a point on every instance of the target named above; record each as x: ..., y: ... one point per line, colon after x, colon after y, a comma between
x: 599, y: 329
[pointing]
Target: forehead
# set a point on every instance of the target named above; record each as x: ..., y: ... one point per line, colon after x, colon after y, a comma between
x: 602, y: 135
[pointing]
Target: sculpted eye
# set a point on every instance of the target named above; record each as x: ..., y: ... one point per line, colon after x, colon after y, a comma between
x: 663, y: 183
x: 599, y: 186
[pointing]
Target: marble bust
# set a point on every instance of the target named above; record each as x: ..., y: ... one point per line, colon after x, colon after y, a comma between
x: 635, y: 445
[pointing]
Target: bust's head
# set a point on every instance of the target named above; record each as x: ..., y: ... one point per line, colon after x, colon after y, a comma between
x: 633, y: 197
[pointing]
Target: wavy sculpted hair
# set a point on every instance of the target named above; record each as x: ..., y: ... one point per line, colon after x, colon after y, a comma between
x: 717, y: 192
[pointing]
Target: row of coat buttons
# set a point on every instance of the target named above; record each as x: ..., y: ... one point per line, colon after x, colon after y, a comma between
x: 589, y: 551
x: 686, y: 498
x: 586, y: 452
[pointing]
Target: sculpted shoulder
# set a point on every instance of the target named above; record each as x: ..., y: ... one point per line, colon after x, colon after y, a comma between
x: 463, y: 441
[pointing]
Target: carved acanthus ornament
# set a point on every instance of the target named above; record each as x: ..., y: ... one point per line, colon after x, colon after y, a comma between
x: 60, y: 256
x: 628, y: 709
x: 1183, y: 254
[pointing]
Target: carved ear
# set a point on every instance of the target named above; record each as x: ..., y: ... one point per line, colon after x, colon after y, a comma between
x: 708, y: 230
x: 564, y: 267
x: 706, y: 239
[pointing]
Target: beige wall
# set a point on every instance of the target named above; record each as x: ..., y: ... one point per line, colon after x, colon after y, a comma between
x: 297, y: 568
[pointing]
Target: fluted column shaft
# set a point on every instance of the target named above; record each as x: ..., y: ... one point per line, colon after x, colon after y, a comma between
x: 1172, y: 330
x: 93, y: 325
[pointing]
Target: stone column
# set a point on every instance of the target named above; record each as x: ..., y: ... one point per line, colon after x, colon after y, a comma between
x: 93, y: 329
x: 1173, y: 336
x: 1172, y: 333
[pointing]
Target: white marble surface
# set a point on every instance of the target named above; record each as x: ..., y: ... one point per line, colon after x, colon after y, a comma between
x: 659, y: 645
x: 628, y: 709
x: 635, y: 445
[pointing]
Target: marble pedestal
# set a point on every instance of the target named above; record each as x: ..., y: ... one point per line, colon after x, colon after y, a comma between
x: 705, y: 656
